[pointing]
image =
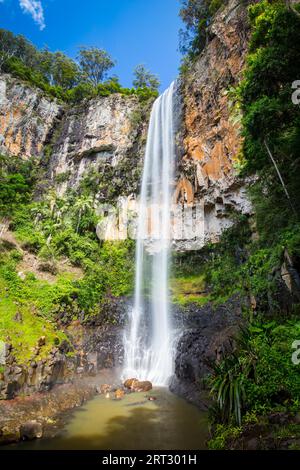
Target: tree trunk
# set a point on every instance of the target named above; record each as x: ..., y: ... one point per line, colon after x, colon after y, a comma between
x: 280, y: 177
x: 78, y: 222
x: 291, y: 7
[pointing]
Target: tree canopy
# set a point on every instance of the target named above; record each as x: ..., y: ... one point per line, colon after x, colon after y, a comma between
x: 196, y: 15
x: 67, y: 79
x: 144, y: 78
x: 94, y: 64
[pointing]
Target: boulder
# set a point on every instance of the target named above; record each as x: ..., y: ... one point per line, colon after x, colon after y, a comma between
x: 119, y: 394
x: 144, y: 386
x: 31, y: 430
x: 252, y: 444
x: 104, y: 388
x: 138, y: 386
x: 128, y: 383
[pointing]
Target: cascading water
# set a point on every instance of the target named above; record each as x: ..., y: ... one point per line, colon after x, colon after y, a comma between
x: 148, y: 340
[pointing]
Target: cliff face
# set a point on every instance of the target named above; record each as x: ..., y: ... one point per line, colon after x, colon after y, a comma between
x: 100, y: 138
x: 211, y: 139
x: 26, y: 118
x: 103, y: 140
x: 103, y: 136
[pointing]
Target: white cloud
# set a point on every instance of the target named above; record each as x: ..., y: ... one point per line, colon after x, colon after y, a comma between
x: 35, y: 9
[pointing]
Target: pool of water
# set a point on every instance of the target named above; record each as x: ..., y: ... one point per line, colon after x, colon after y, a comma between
x: 134, y: 422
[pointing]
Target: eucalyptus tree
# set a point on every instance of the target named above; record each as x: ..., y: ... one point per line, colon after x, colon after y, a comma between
x: 82, y: 205
x: 8, y: 47
x: 94, y: 64
x: 145, y: 79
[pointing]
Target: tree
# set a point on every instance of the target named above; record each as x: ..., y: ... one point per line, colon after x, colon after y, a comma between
x: 94, y: 63
x: 26, y: 51
x: 46, y: 64
x: 290, y: 6
x: 58, y: 69
x: 197, y: 14
x: 65, y: 71
x: 82, y: 205
x: 8, y: 47
x: 145, y: 79
x: 51, y: 199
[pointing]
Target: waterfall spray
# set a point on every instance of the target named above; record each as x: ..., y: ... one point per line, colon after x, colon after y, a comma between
x: 148, y: 340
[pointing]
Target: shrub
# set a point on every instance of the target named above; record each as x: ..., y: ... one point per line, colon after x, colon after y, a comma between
x: 260, y: 374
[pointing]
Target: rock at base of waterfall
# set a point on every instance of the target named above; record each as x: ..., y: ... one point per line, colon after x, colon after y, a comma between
x: 103, y: 389
x: 136, y: 386
x: 128, y: 383
x: 144, y: 386
x: 31, y: 430
x: 119, y: 394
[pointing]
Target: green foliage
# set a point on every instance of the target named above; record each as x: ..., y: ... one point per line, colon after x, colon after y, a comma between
x: 94, y: 64
x: 228, y: 387
x: 108, y: 268
x: 53, y: 230
x: 268, y: 111
x: 63, y: 78
x: 228, y: 380
x: 62, y: 177
x: 260, y: 374
x: 197, y: 15
x: 16, y: 67
x: 222, y: 435
x: 145, y: 79
x: 112, y: 274
x: 20, y: 322
x: 17, y: 177
x: 189, y: 289
x: 238, y: 265
x: 59, y: 69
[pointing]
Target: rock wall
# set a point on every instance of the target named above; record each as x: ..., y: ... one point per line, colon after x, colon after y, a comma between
x: 96, y: 346
x: 102, y: 140
x: 211, y: 137
x: 206, y: 339
x: 27, y: 118
x: 40, y: 374
x: 207, y: 190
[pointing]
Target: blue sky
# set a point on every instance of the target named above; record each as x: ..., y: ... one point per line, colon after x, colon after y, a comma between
x: 132, y: 31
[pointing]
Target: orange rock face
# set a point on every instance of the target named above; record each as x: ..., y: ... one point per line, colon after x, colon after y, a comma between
x: 184, y: 191
x: 212, y: 141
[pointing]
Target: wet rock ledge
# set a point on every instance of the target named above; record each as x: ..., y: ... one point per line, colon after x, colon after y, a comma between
x: 41, y: 414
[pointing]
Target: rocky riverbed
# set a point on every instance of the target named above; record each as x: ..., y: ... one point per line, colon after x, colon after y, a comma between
x: 41, y: 414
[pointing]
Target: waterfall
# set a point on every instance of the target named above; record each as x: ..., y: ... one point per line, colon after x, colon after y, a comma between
x: 148, y: 339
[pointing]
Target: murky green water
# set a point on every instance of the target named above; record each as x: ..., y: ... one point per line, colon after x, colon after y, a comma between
x: 134, y: 422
